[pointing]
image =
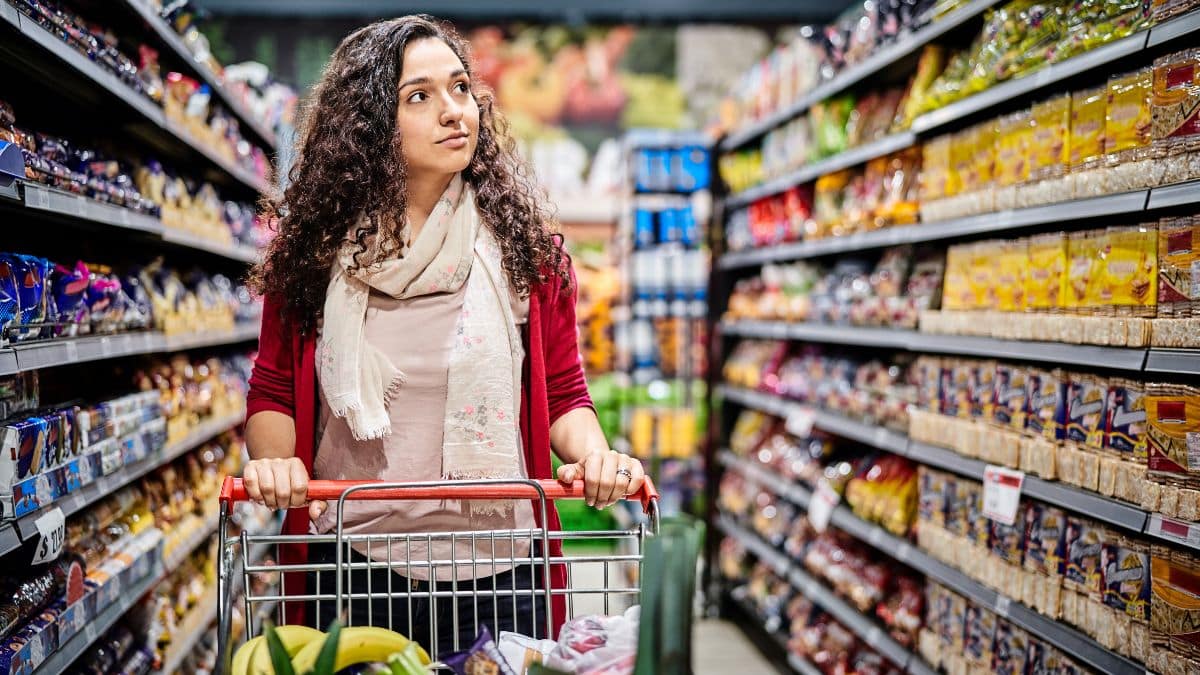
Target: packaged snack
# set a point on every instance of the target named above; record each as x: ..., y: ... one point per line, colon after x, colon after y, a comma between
x: 1089, y: 109
x: 1084, y: 545
x: 935, y: 168
x: 1008, y: 541
x: 829, y: 119
x: 1047, y: 412
x: 979, y: 636
x: 1083, y: 271
x: 1127, y: 133
x: 1086, y: 397
x: 1161, y: 10
x: 1013, y: 148
x: 1013, y: 264
x: 958, y: 393
x: 1012, y: 650
x: 1050, y: 154
x: 1126, y: 567
x: 983, y: 274
x: 1179, y: 267
x: 931, y: 504
x: 25, y: 441
x: 1175, y: 115
x: 956, y: 294
x: 521, y: 652
x: 1174, y: 606
x: 1011, y: 396
x: 1130, y: 270
x: 1046, y: 276
x: 1045, y: 533
x: 970, y: 494
x: 1125, y: 428
x: 1173, y: 431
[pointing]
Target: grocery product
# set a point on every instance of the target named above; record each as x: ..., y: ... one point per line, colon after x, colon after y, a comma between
x: 1175, y: 115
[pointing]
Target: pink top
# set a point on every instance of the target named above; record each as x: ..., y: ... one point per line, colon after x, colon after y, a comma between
x: 416, y: 334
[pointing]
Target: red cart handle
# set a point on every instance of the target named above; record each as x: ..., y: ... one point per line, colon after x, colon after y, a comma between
x: 233, y: 490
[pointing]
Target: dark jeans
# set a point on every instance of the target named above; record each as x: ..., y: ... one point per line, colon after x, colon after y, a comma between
x: 471, y: 606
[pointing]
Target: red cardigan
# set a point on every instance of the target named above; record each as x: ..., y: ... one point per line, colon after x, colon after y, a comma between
x: 284, y: 380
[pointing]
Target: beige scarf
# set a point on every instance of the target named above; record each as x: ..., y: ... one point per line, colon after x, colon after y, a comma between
x: 481, y: 435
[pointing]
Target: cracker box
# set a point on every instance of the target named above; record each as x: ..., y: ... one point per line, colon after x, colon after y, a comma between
x: 1086, y: 395
x: 1125, y: 426
x: 1083, y: 548
x: 1126, y: 565
x: 1173, y: 432
x: 1045, y: 536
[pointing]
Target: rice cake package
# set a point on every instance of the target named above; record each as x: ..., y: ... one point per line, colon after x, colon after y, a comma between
x: 1175, y: 114
x: 1086, y: 396
x: 1008, y: 541
x: 1179, y: 267
x: 1045, y: 534
x: 1125, y: 426
x: 979, y: 636
x: 1083, y: 548
x: 1129, y: 272
x: 1010, y: 396
x: 1046, y: 416
x: 1011, y: 651
x: 1126, y: 566
x: 1175, y: 601
x: 1173, y: 433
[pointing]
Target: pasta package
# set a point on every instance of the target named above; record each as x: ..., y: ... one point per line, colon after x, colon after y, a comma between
x: 1173, y: 432
x: 1083, y: 547
x: 1125, y: 426
x: 1179, y: 267
x: 1175, y: 114
x: 1045, y: 277
x: 1174, y: 601
x: 1129, y: 278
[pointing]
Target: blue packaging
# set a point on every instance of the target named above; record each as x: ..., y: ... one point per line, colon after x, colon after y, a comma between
x: 660, y: 170
x: 67, y: 289
x: 643, y: 228
x: 690, y: 233
x: 10, y: 306
x: 692, y: 171
x: 29, y: 274
x: 26, y: 441
x: 643, y: 171
x: 669, y: 229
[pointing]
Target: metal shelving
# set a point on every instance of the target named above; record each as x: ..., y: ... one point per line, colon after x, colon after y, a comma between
x: 238, y: 252
x: 851, y: 76
x: 901, y: 550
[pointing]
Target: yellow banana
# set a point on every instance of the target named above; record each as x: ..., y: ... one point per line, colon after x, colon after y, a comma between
x: 356, y: 644
x: 293, y: 638
x: 241, y: 658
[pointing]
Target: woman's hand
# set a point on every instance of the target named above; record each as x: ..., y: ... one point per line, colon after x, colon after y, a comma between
x: 280, y: 483
x: 608, y: 476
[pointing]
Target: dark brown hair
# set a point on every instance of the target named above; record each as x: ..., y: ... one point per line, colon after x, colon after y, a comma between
x: 349, y: 167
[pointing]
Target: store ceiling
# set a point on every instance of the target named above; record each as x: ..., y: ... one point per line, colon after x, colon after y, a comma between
x: 571, y: 11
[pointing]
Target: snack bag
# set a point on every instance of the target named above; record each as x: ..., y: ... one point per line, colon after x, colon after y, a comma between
x: 1050, y: 155
x: 1179, y: 266
x: 1086, y: 398
x: 482, y: 657
x: 521, y: 652
x: 1083, y: 546
x: 1012, y: 650
x: 1083, y: 271
x: 1127, y: 135
x: 1046, y: 278
x: 1175, y: 114
x: 983, y: 274
x: 979, y: 636
x: 1126, y: 567
x: 1173, y: 431
x: 1125, y: 427
x: 1130, y: 270
x: 1089, y: 109
x: 1008, y: 541
x: 1046, y: 533
x: 1011, y: 396
x: 935, y: 169
x: 1174, y: 607
x: 1012, y: 266
x: 956, y: 292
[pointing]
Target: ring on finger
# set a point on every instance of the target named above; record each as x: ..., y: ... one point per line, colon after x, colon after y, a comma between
x: 626, y: 473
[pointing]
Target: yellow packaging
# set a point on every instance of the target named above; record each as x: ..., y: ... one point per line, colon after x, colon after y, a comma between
x: 1127, y: 120
x: 1045, y: 281
x: 1013, y: 139
x: 935, y: 163
x: 960, y: 162
x: 1083, y: 270
x: 965, y: 146
x: 956, y: 289
x: 983, y: 273
x: 1011, y: 266
x: 985, y: 153
x: 1051, y: 125
x: 1088, y: 111
x: 1130, y: 269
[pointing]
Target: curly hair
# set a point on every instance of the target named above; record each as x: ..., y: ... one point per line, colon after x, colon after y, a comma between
x: 349, y: 167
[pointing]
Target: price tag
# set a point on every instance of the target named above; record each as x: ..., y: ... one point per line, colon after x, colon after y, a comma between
x: 52, y: 531
x: 1002, y: 493
x: 1175, y: 530
x: 1002, y: 604
x: 820, y: 509
x: 800, y: 421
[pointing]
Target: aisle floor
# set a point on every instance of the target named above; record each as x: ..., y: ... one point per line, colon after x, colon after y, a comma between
x: 720, y: 648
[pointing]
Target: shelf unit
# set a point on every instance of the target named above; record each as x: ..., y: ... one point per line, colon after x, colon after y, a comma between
x: 192, y: 628
x: 1130, y: 359
x: 70, y: 351
x: 843, y: 518
x: 40, y: 44
x: 864, y: 627
x: 1126, y: 516
x: 994, y: 97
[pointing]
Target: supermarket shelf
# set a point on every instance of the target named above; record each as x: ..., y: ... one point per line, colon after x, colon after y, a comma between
x: 116, y: 89
x: 173, y: 40
x: 853, y: 75
x: 849, y: 616
x: 903, y: 551
x: 1116, y: 358
x: 789, y: 490
x: 1178, y: 361
x: 665, y: 138
x: 1175, y: 28
x: 72, y: 649
x: 988, y: 223
x: 1074, y: 499
x: 241, y: 253
x: 1040, y: 79
x: 798, y: 665
x: 8, y: 362
x: 801, y: 666
x: 44, y: 198
x: 1174, y: 531
x: 53, y: 353
x: 10, y: 190
x: 810, y: 172
x: 1179, y: 194
x: 12, y: 534
x: 192, y: 628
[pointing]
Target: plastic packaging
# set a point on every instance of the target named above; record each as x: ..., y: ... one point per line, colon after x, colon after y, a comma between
x: 1128, y: 133
x: 1175, y: 115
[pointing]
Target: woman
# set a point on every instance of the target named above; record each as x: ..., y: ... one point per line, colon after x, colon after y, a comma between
x: 419, y: 326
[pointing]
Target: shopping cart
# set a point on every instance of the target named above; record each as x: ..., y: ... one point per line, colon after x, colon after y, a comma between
x: 602, y: 576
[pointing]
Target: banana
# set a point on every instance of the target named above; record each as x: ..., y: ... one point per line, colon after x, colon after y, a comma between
x: 294, y: 638
x: 241, y: 658
x: 357, y: 644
